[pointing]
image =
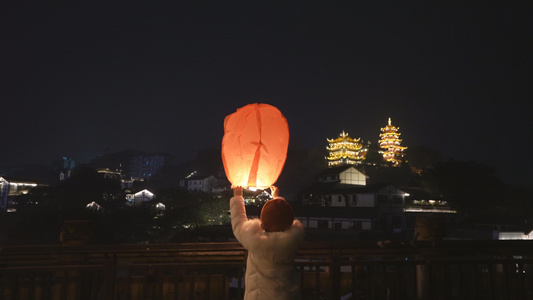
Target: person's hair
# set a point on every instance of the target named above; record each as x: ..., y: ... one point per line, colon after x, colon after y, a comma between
x: 276, y: 215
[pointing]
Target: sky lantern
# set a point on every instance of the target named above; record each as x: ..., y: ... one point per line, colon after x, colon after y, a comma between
x: 254, y: 146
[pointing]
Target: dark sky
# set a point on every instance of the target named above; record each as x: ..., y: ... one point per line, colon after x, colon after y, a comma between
x: 78, y: 81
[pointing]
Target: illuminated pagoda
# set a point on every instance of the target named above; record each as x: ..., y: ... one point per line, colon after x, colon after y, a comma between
x: 390, y: 142
x: 345, y: 151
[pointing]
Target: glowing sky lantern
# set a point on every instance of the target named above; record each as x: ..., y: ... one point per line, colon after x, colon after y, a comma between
x: 254, y: 146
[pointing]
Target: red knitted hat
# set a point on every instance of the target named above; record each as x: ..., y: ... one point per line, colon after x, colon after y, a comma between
x: 276, y: 215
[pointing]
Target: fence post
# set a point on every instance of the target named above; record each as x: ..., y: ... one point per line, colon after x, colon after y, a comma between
x: 335, y: 276
x: 427, y: 228
x: 108, y: 279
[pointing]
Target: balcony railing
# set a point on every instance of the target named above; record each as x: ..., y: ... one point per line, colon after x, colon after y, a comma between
x: 328, y: 270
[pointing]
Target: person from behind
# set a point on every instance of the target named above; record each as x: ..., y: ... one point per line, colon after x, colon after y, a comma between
x: 272, y: 242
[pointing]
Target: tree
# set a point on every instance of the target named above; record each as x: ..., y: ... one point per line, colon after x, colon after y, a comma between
x: 373, y: 157
x: 401, y: 176
x: 468, y: 186
x: 84, y: 186
x: 421, y: 157
x: 300, y: 169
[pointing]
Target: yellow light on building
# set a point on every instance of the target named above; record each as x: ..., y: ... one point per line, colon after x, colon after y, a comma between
x: 345, y: 150
x: 390, y: 141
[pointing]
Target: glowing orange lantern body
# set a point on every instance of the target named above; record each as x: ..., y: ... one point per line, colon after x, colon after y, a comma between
x: 254, y: 146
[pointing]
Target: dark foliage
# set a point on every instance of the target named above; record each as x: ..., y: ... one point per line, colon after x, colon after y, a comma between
x: 468, y: 186
x: 422, y: 158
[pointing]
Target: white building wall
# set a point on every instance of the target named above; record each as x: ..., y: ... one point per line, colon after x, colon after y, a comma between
x: 336, y: 223
x: 365, y: 200
x: 352, y: 176
x: 4, y: 190
x: 313, y: 223
x: 142, y: 196
x: 346, y: 224
x: 205, y: 185
x: 338, y: 200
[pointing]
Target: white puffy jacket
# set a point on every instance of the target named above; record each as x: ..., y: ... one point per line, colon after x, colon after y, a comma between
x: 270, y: 272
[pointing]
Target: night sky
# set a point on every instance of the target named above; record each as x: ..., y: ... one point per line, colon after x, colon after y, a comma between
x: 79, y: 81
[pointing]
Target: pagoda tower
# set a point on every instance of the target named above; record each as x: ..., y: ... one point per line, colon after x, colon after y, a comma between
x: 390, y: 141
x: 345, y: 151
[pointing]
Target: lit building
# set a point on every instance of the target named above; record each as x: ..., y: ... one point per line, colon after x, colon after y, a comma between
x: 390, y: 141
x: 341, y: 200
x: 345, y: 151
x: 146, y: 166
x: 204, y: 184
x: 345, y: 175
x: 109, y: 174
x: 10, y: 188
x: 65, y: 166
x: 65, y: 163
x: 140, y: 198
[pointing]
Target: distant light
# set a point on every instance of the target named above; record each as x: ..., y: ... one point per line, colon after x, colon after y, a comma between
x: 429, y: 210
x: 93, y: 205
x: 515, y: 236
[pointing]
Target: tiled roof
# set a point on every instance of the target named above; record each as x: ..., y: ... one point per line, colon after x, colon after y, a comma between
x: 18, y: 180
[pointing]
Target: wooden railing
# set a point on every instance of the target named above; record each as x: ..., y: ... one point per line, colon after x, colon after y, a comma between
x: 328, y: 270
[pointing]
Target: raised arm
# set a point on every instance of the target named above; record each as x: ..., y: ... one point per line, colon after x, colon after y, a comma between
x: 237, y: 211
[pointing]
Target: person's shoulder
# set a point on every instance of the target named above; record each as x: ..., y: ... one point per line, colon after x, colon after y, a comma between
x: 296, y: 230
x: 253, y: 226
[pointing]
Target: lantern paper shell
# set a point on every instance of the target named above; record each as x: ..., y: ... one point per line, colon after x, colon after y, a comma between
x: 254, y: 146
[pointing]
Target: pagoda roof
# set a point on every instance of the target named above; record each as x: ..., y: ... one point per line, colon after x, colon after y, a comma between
x: 344, y: 136
x: 355, y: 147
x: 390, y: 127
